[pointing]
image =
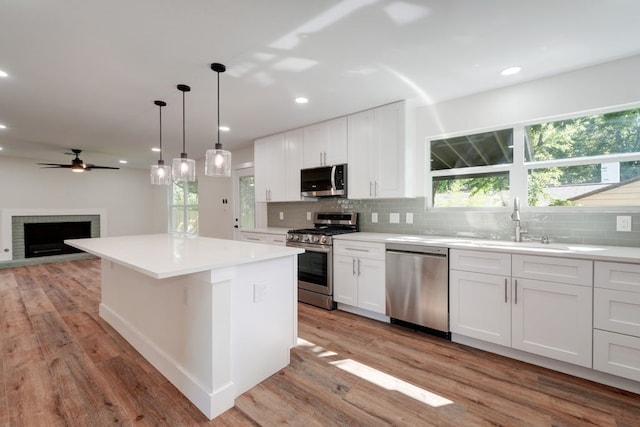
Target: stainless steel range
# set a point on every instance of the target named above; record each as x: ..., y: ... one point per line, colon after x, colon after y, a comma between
x: 315, y: 266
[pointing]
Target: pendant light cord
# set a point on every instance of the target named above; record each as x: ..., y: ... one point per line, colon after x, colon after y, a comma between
x: 183, y: 132
x: 218, y: 107
x: 160, y: 109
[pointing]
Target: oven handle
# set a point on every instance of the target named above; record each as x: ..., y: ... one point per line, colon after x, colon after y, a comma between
x: 311, y: 248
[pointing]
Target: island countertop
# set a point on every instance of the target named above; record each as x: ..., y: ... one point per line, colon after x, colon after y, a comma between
x: 166, y: 255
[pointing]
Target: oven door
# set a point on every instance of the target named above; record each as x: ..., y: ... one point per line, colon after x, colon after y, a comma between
x: 315, y: 268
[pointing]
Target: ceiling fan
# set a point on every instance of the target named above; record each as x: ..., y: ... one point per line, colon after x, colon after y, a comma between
x: 77, y: 165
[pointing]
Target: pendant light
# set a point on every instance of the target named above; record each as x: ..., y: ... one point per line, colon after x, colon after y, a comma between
x: 184, y: 168
x: 218, y: 161
x: 160, y: 173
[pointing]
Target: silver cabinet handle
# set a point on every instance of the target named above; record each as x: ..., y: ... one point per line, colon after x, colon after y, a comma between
x: 321, y: 162
x: 325, y: 158
x: 505, y: 290
x: 353, y: 267
x: 358, y: 267
x: 370, y: 189
x: 252, y: 238
x: 516, y: 288
x: 375, y: 189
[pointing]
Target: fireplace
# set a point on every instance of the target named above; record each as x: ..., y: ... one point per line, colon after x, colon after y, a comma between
x: 47, y: 238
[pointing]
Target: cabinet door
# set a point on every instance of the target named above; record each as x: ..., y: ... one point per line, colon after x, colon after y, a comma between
x: 336, y: 141
x: 480, y: 306
x: 361, y: 174
x: 553, y: 320
x: 389, y: 153
x: 325, y: 143
x: 294, y: 148
x: 269, y: 168
x: 371, y: 282
x: 345, y: 280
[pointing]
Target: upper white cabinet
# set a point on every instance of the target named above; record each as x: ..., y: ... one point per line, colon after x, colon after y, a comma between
x: 380, y: 146
x: 325, y: 143
x: 277, y: 164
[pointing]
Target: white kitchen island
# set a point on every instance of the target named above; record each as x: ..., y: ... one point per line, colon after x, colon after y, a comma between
x: 215, y: 317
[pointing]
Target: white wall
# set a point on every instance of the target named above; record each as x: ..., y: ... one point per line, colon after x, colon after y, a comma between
x: 132, y: 204
x: 605, y: 85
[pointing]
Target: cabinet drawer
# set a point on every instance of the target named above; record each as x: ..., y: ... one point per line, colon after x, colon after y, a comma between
x: 616, y: 311
x: 615, y: 275
x: 254, y: 237
x: 616, y: 354
x: 480, y: 262
x: 563, y: 270
x: 359, y: 249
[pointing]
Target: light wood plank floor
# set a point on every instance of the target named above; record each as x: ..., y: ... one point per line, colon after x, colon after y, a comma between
x: 62, y: 365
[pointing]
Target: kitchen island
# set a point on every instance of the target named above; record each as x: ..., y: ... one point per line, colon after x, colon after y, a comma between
x: 215, y: 317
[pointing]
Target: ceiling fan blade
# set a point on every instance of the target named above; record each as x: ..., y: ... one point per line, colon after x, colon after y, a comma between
x: 55, y: 165
x: 90, y: 166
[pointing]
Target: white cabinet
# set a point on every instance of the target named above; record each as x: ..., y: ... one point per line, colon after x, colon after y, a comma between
x: 616, y: 319
x: 325, y: 143
x: 380, y: 153
x: 277, y: 164
x: 266, y: 238
x: 359, y: 274
x: 480, y: 295
x: 551, y: 317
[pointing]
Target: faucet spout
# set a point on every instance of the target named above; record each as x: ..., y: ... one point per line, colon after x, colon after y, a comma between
x: 515, y: 217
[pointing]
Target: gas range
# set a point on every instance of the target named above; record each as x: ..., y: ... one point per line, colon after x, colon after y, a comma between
x: 327, y: 224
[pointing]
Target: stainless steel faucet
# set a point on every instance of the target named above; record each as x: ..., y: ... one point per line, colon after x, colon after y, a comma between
x: 515, y: 217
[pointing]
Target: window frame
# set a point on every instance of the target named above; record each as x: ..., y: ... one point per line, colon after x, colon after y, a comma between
x: 519, y: 170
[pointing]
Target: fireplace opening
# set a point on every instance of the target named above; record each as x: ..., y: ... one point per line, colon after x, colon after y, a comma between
x: 47, y: 238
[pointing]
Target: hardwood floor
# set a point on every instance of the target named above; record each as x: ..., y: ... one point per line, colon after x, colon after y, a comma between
x: 62, y: 365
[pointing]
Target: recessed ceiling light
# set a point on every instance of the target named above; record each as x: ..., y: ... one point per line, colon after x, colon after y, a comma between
x: 301, y: 100
x: 224, y: 128
x: 156, y: 149
x: 124, y: 162
x: 4, y: 73
x: 510, y: 71
x: 0, y: 148
x: 2, y: 126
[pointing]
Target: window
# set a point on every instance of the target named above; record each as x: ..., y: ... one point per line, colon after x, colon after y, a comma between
x: 183, y: 208
x: 472, y: 170
x: 586, y: 161
x: 591, y: 160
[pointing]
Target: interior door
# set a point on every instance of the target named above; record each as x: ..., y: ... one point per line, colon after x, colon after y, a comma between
x: 244, y: 206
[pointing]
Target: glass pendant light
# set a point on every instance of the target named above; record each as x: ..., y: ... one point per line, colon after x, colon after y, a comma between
x: 218, y: 161
x: 184, y: 168
x: 160, y: 173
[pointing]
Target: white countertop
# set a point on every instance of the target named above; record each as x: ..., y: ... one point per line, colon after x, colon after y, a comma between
x: 593, y: 252
x: 165, y: 255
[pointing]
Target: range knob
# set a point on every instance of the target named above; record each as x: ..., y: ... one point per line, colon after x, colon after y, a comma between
x: 305, y: 239
x: 289, y: 236
x: 323, y: 239
x: 296, y: 237
x: 316, y: 239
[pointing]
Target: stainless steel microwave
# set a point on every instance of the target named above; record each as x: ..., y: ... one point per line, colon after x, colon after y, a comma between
x: 324, y: 181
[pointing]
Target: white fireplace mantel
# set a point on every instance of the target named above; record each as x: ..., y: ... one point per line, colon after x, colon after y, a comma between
x: 6, y: 216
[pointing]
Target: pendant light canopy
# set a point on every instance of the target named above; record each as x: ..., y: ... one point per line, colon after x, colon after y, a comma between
x: 217, y: 160
x: 184, y: 168
x: 160, y: 173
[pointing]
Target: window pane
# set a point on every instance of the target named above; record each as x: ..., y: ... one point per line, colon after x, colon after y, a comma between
x: 482, y: 149
x: 247, y: 202
x: 192, y: 195
x: 177, y: 193
x: 607, y: 184
x: 611, y: 133
x: 192, y: 225
x: 486, y: 190
x: 178, y: 224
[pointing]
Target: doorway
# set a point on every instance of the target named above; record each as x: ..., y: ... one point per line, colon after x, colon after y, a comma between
x: 244, y: 207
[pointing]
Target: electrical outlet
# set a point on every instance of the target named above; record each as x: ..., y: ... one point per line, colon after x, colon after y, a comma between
x: 374, y: 217
x: 394, y: 218
x: 409, y: 218
x: 623, y: 223
x: 308, y: 216
x: 281, y: 216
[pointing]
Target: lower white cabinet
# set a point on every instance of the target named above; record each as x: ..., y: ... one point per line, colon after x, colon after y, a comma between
x: 359, y: 275
x: 544, y: 317
x: 616, y: 321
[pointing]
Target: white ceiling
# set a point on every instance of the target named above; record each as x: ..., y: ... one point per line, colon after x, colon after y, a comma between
x: 84, y: 74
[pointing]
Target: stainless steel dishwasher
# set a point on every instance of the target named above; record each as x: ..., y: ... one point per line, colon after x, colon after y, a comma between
x: 417, y: 286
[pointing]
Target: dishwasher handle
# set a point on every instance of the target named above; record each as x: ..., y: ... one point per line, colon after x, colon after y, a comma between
x: 417, y: 249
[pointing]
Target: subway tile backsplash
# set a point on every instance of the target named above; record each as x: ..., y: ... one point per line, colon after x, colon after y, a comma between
x: 560, y: 227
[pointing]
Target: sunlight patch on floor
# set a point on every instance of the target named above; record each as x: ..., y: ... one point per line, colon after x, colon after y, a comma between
x: 381, y: 379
